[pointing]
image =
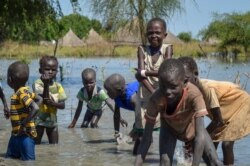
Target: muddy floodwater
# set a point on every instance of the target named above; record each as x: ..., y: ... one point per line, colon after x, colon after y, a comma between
x: 97, y: 147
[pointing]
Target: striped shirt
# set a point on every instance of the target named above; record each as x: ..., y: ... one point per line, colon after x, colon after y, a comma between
x: 19, y: 110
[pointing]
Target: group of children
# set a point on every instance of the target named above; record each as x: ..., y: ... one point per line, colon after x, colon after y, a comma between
x: 167, y: 95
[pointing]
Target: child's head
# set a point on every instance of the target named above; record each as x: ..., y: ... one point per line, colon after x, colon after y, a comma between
x: 171, y: 79
x: 89, y: 79
x: 191, y: 69
x: 115, y: 85
x: 156, y: 32
x: 48, y: 66
x: 18, y: 74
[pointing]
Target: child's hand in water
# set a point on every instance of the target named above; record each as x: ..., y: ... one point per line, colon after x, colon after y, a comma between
x: 72, y: 125
x: 124, y: 123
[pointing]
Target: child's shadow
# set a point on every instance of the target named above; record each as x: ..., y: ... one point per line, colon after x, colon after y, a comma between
x: 98, y: 141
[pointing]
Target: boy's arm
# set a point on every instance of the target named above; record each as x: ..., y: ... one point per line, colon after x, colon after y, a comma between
x: 6, y: 108
x: 116, y: 118
x: 59, y: 104
x: 33, y: 109
x: 77, y: 114
x: 199, y: 140
x: 141, y: 67
x: 217, y: 120
x: 119, y: 119
x: 151, y: 114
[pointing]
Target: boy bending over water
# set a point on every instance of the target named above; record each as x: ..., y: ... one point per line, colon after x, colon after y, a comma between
x: 95, y: 97
x: 182, y: 108
x: 228, y: 107
x: 125, y: 96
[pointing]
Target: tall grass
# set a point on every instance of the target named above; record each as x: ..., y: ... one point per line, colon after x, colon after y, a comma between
x: 17, y: 50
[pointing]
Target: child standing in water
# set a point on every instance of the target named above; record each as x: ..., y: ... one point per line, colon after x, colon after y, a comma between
x: 182, y: 110
x: 22, y: 111
x: 96, y: 99
x: 5, y: 106
x: 228, y: 107
x: 125, y: 96
x: 150, y: 58
x: 53, y: 98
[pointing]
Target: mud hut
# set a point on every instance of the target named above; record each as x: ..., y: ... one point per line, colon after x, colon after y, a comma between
x: 172, y: 39
x: 94, y: 38
x: 70, y: 39
x: 130, y: 35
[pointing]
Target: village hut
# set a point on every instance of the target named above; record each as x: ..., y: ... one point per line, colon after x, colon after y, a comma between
x: 70, y: 39
x: 172, y: 39
x: 130, y: 35
x: 94, y: 38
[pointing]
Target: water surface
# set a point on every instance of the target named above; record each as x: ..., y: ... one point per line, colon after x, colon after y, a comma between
x: 79, y: 146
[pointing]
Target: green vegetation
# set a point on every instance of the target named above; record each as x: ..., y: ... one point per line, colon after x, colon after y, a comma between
x: 116, y: 12
x: 33, y: 20
x: 185, y: 36
x: 231, y: 30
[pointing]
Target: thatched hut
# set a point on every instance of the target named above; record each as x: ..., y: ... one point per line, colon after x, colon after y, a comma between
x: 172, y: 39
x: 71, y: 40
x: 94, y: 38
x: 130, y: 34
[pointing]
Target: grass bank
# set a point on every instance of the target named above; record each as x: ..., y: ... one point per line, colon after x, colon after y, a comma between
x: 17, y: 50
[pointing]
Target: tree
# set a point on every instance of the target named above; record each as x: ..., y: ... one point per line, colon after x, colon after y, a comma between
x: 113, y: 11
x: 185, y: 36
x: 232, y: 29
x: 28, y: 20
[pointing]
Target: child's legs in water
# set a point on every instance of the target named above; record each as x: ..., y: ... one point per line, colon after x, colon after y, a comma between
x: 52, y: 134
x: 167, y: 146
x: 228, y: 153
x: 209, y: 154
x: 95, y: 119
x: 87, y: 118
x: 40, y: 131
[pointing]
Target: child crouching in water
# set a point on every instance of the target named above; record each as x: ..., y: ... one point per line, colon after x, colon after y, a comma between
x: 53, y: 98
x: 182, y: 110
x: 125, y: 96
x: 228, y: 107
x: 96, y: 99
x: 23, y: 109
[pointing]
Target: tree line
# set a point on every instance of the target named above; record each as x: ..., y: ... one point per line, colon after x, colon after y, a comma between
x: 35, y: 20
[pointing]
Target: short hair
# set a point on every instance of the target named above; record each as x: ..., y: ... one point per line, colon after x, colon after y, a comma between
x: 19, y: 72
x: 172, y: 66
x: 88, y: 71
x: 46, y: 58
x: 115, y: 81
x: 157, y: 19
x: 189, y: 62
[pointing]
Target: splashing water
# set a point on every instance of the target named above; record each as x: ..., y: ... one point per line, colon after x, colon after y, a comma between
x: 181, y: 160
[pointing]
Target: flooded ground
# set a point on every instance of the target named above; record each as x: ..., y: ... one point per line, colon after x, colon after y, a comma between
x: 78, y: 147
